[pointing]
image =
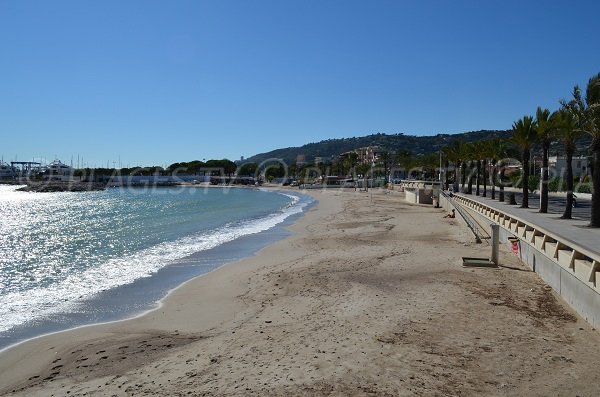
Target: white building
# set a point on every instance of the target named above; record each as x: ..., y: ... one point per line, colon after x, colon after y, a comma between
x: 57, y: 171
x: 300, y: 160
x: 365, y: 155
x: 558, y: 166
x: 368, y: 155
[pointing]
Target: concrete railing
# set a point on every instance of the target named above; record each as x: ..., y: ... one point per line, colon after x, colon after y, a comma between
x: 420, y: 192
x: 415, y: 184
x: 572, y: 270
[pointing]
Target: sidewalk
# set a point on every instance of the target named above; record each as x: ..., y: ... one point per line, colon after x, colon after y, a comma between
x: 575, y: 231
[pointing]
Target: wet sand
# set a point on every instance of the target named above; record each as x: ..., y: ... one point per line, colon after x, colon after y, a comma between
x: 368, y: 297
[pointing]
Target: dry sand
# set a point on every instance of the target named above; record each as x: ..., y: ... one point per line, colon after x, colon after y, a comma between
x: 367, y: 298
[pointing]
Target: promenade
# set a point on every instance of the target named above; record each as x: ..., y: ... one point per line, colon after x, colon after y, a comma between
x: 572, y: 230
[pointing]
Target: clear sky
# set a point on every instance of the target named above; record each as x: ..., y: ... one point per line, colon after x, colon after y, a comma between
x: 156, y: 82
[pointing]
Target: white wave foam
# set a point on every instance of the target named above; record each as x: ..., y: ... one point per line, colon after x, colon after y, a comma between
x: 18, y: 308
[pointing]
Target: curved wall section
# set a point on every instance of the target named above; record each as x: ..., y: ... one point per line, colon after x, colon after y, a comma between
x: 571, y: 270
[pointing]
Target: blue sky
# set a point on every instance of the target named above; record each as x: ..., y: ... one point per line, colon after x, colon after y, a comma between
x: 155, y: 82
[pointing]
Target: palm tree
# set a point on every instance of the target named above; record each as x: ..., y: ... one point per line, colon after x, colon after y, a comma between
x: 496, y: 150
x: 484, y: 165
x: 429, y: 163
x: 468, y: 167
x: 405, y: 160
x: 444, y: 163
x: 587, y: 120
x: 455, y: 153
x: 446, y: 178
x: 568, y: 131
x: 478, y: 152
x: 592, y: 99
x: 463, y: 176
x: 545, y: 131
x: 524, y: 136
x: 348, y: 163
x: 385, y: 160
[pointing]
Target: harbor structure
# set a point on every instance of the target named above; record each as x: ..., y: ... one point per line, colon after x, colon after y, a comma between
x: 7, y: 172
x: 26, y: 169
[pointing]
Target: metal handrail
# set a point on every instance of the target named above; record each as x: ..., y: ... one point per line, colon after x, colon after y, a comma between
x: 466, y: 217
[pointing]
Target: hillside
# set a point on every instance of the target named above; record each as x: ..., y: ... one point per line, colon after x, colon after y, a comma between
x: 417, y: 145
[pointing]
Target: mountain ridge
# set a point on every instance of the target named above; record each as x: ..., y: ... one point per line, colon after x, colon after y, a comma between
x: 417, y: 145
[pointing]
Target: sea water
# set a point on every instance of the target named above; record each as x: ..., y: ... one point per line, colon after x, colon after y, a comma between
x: 69, y: 259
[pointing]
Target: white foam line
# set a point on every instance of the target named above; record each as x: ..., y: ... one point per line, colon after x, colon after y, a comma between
x: 66, y: 296
x: 158, y: 305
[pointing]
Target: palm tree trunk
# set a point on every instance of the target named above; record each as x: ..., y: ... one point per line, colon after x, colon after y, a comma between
x: 456, y: 177
x: 595, y: 216
x: 493, y: 182
x: 569, y: 208
x: 501, y: 193
x: 463, y: 175
x: 446, y: 180
x: 478, y: 179
x: 525, y: 183
x: 544, y: 181
x: 484, y: 167
x: 470, y: 185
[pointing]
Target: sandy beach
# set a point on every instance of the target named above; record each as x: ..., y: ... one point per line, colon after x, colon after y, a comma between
x: 368, y: 297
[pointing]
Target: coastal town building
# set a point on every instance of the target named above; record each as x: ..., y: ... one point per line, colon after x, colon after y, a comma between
x: 365, y: 155
x: 510, y: 166
x: 558, y: 165
x: 368, y: 155
x: 300, y: 160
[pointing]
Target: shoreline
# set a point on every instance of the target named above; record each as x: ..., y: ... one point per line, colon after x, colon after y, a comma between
x: 13, y: 352
x: 171, y: 277
x: 367, y: 296
x: 157, y: 305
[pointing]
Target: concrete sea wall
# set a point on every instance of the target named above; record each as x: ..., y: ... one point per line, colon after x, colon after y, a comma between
x: 572, y: 271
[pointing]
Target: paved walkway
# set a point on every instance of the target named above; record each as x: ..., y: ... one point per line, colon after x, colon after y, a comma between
x: 572, y: 230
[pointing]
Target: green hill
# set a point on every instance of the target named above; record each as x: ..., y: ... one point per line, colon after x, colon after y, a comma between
x: 417, y: 145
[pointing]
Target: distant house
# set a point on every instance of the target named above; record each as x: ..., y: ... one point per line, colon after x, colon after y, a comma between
x: 368, y: 155
x: 365, y: 155
x: 558, y: 166
x: 511, y: 166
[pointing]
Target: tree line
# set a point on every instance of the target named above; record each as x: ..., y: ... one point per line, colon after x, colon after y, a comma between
x: 574, y: 119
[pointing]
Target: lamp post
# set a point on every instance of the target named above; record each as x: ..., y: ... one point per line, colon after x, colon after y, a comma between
x: 440, y: 173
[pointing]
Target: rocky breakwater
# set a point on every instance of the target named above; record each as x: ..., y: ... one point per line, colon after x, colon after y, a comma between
x: 54, y: 186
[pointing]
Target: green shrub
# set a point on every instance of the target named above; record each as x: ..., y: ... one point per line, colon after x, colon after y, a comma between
x: 583, y: 188
x: 534, y: 183
x: 514, y: 179
x: 557, y: 184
